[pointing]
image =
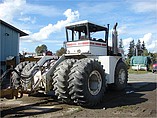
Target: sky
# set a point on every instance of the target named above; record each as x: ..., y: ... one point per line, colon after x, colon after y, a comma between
x: 45, y: 20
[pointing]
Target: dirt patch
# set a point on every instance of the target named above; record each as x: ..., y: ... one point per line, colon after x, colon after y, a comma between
x: 138, y: 100
x: 141, y: 103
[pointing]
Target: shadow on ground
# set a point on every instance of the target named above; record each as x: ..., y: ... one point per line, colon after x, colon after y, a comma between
x: 32, y: 109
x: 131, y: 96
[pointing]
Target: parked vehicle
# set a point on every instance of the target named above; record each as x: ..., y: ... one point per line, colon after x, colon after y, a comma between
x: 140, y: 62
x: 154, y: 67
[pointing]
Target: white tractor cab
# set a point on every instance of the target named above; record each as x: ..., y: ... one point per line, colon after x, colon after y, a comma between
x: 82, y: 43
x: 82, y: 75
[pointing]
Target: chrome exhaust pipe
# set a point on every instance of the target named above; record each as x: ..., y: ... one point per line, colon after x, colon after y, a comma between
x: 115, y: 40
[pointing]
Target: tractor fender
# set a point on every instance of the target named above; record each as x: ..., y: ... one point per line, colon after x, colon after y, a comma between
x: 109, y: 64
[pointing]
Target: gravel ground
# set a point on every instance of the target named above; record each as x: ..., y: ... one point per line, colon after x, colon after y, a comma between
x: 138, y: 100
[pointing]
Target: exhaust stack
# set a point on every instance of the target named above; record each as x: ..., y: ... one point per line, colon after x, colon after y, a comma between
x: 115, y: 40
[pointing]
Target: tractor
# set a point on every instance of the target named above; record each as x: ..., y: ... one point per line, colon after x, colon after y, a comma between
x: 83, y: 74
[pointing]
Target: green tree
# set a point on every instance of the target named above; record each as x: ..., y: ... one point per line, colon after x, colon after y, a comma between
x: 121, y: 44
x: 139, y: 48
x: 131, y: 49
x: 138, y: 45
x: 143, y: 45
x: 61, y: 51
x: 153, y: 56
x: 41, y: 49
x: 145, y: 52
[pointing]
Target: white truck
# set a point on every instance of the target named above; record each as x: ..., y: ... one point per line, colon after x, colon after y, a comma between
x: 82, y: 75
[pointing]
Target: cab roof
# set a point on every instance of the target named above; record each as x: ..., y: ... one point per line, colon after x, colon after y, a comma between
x: 81, y: 26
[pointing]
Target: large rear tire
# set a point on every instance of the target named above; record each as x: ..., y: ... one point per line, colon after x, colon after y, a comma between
x: 60, y: 77
x: 26, y: 83
x: 120, y: 77
x: 87, y: 82
x: 15, y: 77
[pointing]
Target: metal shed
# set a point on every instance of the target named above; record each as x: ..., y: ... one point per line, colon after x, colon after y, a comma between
x: 9, y: 43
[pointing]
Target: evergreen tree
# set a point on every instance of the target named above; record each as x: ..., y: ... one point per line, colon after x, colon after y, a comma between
x: 131, y: 49
x: 138, y: 49
x: 143, y: 46
x: 138, y: 45
x: 145, y: 51
x: 121, y: 44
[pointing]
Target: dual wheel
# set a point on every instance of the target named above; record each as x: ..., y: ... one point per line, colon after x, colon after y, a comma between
x: 78, y: 81
x: 83, y: 81
x: 25, y: 69
x: 22, y: 68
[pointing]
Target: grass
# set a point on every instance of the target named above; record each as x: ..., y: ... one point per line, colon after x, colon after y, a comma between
x: 130, y: 71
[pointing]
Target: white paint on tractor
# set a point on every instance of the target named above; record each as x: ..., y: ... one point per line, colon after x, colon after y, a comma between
x: 109, y: 64
x: 87, y: 46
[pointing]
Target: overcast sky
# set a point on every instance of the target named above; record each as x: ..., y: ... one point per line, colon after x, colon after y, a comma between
x: 45, y: 20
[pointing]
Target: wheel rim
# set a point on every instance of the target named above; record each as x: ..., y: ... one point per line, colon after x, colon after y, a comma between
x: 122, y: 76
x: 94, y: 82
